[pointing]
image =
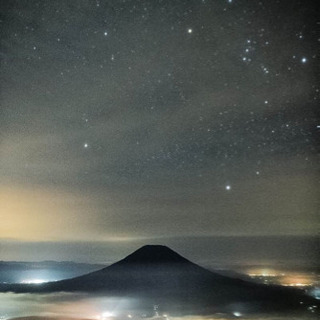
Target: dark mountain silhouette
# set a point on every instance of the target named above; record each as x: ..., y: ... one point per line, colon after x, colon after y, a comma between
x: 159, y: 275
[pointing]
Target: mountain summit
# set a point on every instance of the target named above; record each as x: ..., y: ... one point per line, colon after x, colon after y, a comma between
x: 153, y: 254
x: 159, y: 275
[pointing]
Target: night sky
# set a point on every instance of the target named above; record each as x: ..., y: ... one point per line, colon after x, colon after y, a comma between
x: 140, y: 120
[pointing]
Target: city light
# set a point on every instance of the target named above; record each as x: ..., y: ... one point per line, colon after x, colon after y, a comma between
x: 34, y: 281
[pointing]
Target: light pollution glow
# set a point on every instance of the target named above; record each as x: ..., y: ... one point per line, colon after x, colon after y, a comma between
x: 34, y: 281
x: 285, y: 278
x: 76, y: 306
x: 33, y: 214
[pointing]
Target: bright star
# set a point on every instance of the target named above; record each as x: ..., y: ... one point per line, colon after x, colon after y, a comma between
x: 228, y: 187
x: 190, y: 30
x: 304, y: 60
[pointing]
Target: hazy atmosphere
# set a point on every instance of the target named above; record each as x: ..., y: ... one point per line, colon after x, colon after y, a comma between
x: 159, y: 159
x: 138, y: 121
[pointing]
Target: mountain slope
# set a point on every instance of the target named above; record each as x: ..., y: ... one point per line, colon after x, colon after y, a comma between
x: 158, y: 274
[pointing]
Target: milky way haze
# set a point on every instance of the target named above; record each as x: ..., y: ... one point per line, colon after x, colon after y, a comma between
x: 124, y: 120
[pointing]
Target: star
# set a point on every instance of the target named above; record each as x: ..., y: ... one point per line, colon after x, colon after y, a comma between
x: 105, y: 33
x: 304, y: 60
x: 190, y: 30
x: 228, y: 187
x: 265, y: 70
x: 85, y: 145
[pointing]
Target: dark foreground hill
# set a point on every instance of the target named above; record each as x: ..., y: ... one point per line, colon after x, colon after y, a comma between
x: 160, y: 275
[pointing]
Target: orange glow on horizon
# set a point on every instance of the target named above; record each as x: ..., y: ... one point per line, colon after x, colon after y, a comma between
x: 38, y: 214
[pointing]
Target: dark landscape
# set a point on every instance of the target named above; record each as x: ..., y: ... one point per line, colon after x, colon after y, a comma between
x: 156, y: 275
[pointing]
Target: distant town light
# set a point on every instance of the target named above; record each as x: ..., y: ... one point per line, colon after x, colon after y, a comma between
x: 105, y: 315
x: 34, y: 281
